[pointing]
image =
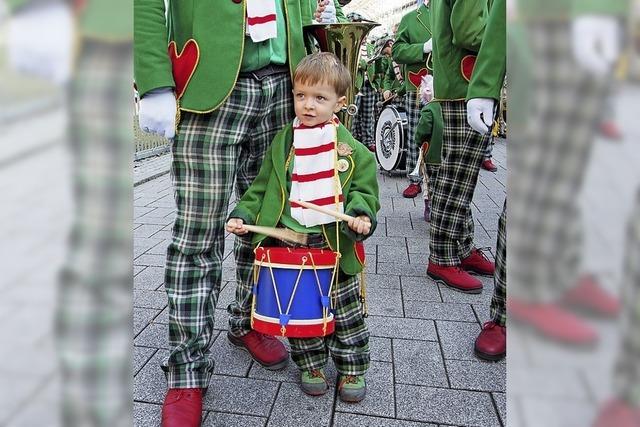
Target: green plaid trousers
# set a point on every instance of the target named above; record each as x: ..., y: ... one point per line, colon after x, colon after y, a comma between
x: 627, y: 369
x: 412, y: 109
x: 211, y: 153
x: 498, y: 308
x: 349, y: 344
x: 451, y: 231
x: 364, y: 121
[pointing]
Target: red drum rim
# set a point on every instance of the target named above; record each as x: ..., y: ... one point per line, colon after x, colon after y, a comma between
x: 296, y: 256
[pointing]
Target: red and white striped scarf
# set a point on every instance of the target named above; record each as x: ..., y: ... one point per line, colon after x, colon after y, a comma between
x: 261, y: 20
x: 315, y: 178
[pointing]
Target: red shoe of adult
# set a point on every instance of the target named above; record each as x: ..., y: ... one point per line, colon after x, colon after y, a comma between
x: 412, y: 190
x: 372, y: 148
x: 553, y: 322
x: 587, y: 294
x: 617, y: 413
x: 491, y: 343
x: 488, y: 165
x: 264, y: 349
x: 182, y: 407
x: 478, y: 263
x: 610, y: 130
x: 454, y: 277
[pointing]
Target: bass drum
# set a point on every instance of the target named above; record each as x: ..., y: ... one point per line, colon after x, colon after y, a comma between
x: 391, y: 138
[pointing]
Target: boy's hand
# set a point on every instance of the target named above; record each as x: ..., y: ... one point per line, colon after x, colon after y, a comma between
x: 236, y: 226
x: 360, y: 224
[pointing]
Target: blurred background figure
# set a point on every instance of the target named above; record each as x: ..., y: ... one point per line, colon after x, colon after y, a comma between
x: 85, y: 46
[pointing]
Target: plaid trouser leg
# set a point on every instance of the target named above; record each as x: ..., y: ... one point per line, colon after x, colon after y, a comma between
x: 431, y: 173
x: 93, y: 312
x: 498, y: 309
x: 356, y: 123
x: 412, y: 108
x: 549, y: 162
x: 488, y: 153
x: 348, y: 345
x: 451, y: 233
x: 368, y: 104
x: 627, y: 369
x: 210, y: 150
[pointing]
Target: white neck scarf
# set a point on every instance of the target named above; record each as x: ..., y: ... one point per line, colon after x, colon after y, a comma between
x: 261, y: 20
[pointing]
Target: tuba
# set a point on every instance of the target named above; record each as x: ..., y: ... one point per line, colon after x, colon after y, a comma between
x: 343, y: 40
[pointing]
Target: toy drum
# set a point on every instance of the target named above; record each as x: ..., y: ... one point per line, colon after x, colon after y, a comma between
x: 291, y: 291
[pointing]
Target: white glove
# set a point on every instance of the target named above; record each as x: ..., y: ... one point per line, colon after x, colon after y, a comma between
x: 426, y: 48
x: 326, y: 12
x: 40, y: 41
x: 158, y: 112
x: 596, y: 42
x: 480, y: 114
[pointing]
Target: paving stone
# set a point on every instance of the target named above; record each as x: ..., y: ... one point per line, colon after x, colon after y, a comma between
x: 382, y: 281
x: 342, y: 419
x: 139, y: 211
x: 501, y: 404
x: 150, y: 260
x: 230, y: 360
x: 227, y: 294
x: 457, y: 338
x: 157, y: 213
x: 155, y: 335
x: 141, y: 356
x: 400, y: 204
x: 398, y: 227
x: 386, y: 241
x: 380, y: 396
x: 240, y: 395
x: 418, y: 244
x: 293, y: 408
x: 137, y: 269
x: 150, y: 385
x: 439, y: 311
x: 164, y: 234
x: 220, y: 419
x: 438, y: 405
x: 419, y: 289
x: 399, y: 268
x: 394, y: 327
x: 481, y: 376
x: 380, y: 349
x: 419, y: 259
x: 419, y: 363
x: 146, y: 415
x: 393, y: 254
x: 163, y: 317
x: 385, y: 302
x: 142, y: 317
x: 161, y: 247
x: 150, y: 278
x: 146, y: 230
x: 149, y: 299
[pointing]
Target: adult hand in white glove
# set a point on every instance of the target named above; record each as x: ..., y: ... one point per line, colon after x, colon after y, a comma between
x: 480, y: 114
x: 40, y: 41
x: 596, y: 42
x: 157, y: 113
x: 326, y: 12
x: 427, y: 47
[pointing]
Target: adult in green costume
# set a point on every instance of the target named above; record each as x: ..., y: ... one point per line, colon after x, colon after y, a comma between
x: 232, y: 78
x: 366, y: 83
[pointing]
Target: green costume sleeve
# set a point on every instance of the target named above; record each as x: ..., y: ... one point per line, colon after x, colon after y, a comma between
x: 467, y: 23
x: 339, y: 13
x: 363, y: 192
x: 403, y: 51
x: 425, y: 126
x: 152, y: 67
x: 389, y: 77
x: 491, y: 64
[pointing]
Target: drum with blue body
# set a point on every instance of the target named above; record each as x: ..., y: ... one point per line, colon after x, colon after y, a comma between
x: 291, y: 292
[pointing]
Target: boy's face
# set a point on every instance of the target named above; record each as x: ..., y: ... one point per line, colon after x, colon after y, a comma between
x: 316, y: 104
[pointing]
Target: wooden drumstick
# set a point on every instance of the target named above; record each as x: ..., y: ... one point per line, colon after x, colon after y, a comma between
x: 321, y: 209
x: 278, y: 233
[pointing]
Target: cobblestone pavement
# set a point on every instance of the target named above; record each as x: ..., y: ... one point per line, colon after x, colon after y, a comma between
x: 423, y: 370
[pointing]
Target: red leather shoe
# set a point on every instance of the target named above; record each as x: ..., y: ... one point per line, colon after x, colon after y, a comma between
x: 609, y: 129
x: 553, y: 322
x: 588, y: 295
x: 264, y: 349
x: 412, y: 190
x: 488, y: 165
x: 491, y: 343
x: 454, y: 277
x: 182, y: 407
x: 372, y: 148
x: 617, y: 413
x: 478, y: 263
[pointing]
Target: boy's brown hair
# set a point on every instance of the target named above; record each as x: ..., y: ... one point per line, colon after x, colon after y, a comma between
x: 323, y: 67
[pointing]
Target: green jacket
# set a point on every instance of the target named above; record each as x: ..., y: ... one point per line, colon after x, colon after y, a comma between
x: 218, y: 27
x: 413, y: 31
x: 263, y: 202
x: 491, y: 64
x: 390, y: 81
x: 429, y: 129
x: 373, y: 69
x: 458, y: 26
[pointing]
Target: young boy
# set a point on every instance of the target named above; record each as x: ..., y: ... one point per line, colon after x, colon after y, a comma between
x: 312, y: 159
